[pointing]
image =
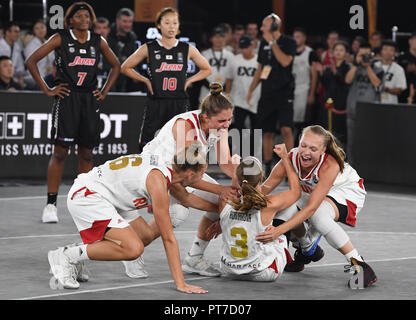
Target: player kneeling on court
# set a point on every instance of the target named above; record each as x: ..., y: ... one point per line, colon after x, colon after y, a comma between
x: 99, y: 202
x: 242, y: 256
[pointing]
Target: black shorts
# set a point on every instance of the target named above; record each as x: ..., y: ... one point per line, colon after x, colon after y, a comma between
x: 76, y: 120
x: 158, y: 112
x: 343, y: 212
x: 273, y: 109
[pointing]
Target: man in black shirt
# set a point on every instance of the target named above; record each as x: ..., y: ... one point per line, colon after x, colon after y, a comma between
x: 122, y: 40
x: 6, y: 75
x: 274, y: 70
x: 408, y: 61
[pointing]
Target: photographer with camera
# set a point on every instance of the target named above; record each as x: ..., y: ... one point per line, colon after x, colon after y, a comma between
x: 365, y: 79
x: 275, y: 60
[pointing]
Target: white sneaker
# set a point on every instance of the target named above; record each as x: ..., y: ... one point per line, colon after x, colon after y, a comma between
x: 50, y: 214
x: 135, y: 268
x: 81, y: 267
x: 62, y: 269
x: 198, y: 264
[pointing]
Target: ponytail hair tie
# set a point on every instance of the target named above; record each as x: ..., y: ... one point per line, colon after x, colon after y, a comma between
x: 244, y: 181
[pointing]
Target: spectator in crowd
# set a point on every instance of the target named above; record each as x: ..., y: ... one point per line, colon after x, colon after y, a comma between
x: 238, y: 31
x: 102, y: 27
x: 376, y: 39
x: 408, y: 62
x: 6, y: 75
x: 252, y: 30
x: 242, y: 70
x: 327, y: 57
x: 45, y: 65
x: 274, y: 70
x: 355, y: 45
x: 365, y: 80
x: 394, y: 78
x: 219, y: 59
x: 122, y: 40
x: 9, y: 46
x: 306, y: 79
x: 333, y: 79
x: 228, y: 34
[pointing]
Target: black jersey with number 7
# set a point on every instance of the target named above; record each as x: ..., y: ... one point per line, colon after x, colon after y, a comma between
x: 77, y: 63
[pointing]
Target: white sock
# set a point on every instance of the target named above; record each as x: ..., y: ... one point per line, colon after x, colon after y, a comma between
x: 353, y: 254
x: 77, y: 253
x: 198, y: 247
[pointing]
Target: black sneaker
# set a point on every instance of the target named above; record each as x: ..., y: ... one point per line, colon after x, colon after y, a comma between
x: 363, y: 275
x: 301, y: 259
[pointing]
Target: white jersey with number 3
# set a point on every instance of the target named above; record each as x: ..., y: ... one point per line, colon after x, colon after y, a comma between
x: 241, y: 253
x: 122, y: 181
x: 348, y: 188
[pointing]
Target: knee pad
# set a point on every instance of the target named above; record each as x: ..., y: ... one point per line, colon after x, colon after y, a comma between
x: 213, y: 216
x: 323, y: 221
x: 287, y: 213
x: 178, y: 214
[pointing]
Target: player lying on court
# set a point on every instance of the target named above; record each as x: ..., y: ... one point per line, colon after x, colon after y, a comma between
x: 242, y: 256
x: 332, y: 192
x: 100, y: 201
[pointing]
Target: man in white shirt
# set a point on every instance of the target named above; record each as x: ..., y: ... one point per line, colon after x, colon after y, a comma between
x: 394, y: 77
x: 242, y: 70
x: 10, y: 47
x: 219, y: 59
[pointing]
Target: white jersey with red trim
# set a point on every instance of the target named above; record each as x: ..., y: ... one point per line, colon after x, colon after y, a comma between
x: 122, y: 181
x: 164, y: 144
x: 241, y: 253
x: 348, y: 186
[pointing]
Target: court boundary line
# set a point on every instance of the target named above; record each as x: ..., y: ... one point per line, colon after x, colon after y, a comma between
x: 193, y: 231
x: 188, y: 279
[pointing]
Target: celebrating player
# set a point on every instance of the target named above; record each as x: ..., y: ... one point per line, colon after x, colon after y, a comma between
x: 76, y: 116
x: 331, y: 191
x: 242, y: 256
x: 100, y: 200
x: 167, y: 65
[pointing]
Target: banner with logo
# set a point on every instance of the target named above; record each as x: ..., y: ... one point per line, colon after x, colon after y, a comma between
x: 26, y: 120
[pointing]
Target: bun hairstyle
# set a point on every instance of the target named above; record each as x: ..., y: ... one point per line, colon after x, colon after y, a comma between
x: 330, y: 143
x: 216, y: 101
x: 191, y: 157
x: 249, y: 174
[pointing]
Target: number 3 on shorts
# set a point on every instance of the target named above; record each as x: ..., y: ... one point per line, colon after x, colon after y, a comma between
x: 81, y: 77
x: 240, y: 243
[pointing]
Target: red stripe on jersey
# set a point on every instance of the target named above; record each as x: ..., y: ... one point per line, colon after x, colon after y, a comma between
x: 297, y: 163
x: 289, y: 258
x: 274, y: 266
x: 171, y: 175
x: 352, y: 213
x: 361, y: 183
x: 193, y: 127
x: 196, y: 120
x: 199, y: 127
x: 77, y: 192
x: 96, y: 232
x: 326, y: 157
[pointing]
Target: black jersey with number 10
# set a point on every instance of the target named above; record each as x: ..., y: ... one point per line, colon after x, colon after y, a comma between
x: 167, y: 70
x: 77, y: 63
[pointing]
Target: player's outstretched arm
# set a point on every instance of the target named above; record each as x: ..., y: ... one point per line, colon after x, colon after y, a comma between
x: 157, y: 187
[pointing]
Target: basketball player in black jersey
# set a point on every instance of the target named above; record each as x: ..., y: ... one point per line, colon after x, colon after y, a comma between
x: 76, y: 116
x: 167, y: 60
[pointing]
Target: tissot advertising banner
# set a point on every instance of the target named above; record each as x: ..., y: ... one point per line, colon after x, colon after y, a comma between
x: 26, y: 120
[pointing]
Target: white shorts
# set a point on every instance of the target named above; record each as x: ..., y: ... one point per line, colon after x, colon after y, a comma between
x: 92, y: 213
x: 272, y: 272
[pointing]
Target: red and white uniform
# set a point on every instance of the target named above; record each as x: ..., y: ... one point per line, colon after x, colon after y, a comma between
x: 109, y: 195
x: 348, y: 188
x: 242, y: 255
x: 164, y: 144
